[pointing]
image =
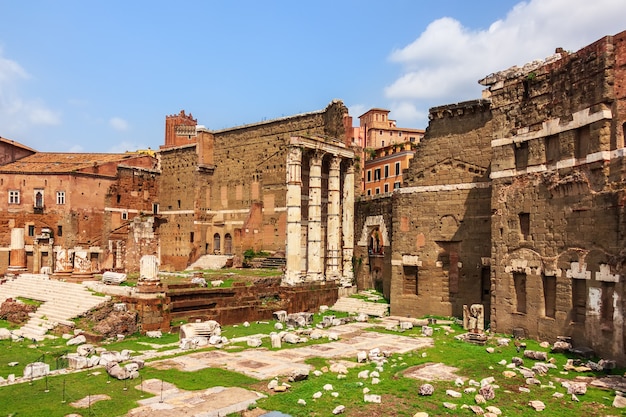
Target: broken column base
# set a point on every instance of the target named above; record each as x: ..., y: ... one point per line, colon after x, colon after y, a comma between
x: 148, y: 286
x: 475, y: 338
x: 80, y: 277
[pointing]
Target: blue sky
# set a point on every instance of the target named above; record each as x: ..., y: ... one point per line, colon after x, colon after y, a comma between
x: 87, y: 76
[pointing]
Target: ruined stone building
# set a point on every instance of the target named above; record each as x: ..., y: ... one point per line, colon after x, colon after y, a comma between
x: 515, y: 201
x: 283, y: 186
x: 72, y: 214
x: 409, y: 245
x: 558, y: 192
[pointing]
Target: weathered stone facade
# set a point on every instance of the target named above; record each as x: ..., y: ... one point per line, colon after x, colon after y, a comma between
x: 373, y: 244
x: 516, y: 202
x: 558, y: 197
x: 228, y: 191
x: 440, y: 218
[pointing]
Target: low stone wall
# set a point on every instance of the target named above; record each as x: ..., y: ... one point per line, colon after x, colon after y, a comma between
x: 236, y: 304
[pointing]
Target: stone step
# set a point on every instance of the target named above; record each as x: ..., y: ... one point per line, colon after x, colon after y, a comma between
x: 355, y: 305
x: 62, y: 301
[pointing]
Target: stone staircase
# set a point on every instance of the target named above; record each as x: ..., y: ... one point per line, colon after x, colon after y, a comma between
x: 356, y: 305
x: 273, y: 263
x: 62, y: 301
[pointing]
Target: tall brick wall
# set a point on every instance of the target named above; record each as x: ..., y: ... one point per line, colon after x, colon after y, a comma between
x: 441, y: 218
x: 177, y: 199
x: 558, y: 199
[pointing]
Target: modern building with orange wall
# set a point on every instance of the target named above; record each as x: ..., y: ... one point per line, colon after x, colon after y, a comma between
x: 383, y: 167
x: 387, y: 150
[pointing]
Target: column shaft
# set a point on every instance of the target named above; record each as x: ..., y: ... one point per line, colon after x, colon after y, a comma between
x: 348, y: 225
x: 293, y: 270
x: 314, y: 235
x: 333, y: 227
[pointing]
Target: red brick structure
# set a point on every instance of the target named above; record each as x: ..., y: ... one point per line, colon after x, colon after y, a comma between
x: 225, y: 191
x: 94, y: 203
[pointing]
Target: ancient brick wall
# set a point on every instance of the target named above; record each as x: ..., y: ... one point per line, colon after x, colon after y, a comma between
x: 177, y: 199
x: 558, y: 199
x: 234, y: 197
x: 251, y: 168
x: 244, y: 302
x: 441, y: 217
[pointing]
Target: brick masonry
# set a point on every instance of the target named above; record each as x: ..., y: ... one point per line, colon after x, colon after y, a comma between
x: 226, y: 192
x: 516, y: 201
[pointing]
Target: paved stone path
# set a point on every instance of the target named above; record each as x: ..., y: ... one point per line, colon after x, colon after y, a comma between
x: 263, y: 364
x: 169, y: 401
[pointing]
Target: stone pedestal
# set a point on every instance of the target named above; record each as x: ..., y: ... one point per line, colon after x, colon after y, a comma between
x: 17, y: 252
x: 82, y: 266
x: 64, y: 264
x: 149, y: 268
x: 474, y: 318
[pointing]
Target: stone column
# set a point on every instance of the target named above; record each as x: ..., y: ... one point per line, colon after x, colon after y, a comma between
x: 333, y: 226
x: 348, y: 224
x: 17, y: 252
x: 64, y: 265
x: 36, y: 256
x: 82, y: 266
x: 314, y: 236
x: 149, y: 268
x: 293, y: 270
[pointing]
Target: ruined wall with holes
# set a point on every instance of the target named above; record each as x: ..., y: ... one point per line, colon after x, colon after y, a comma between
x: 248, y: 194
x: 558, y: 198
x: 441, y: 216
x: 128, y: 229
x: 177, y: 205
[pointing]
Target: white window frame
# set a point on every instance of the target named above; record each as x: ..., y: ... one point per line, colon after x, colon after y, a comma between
x: 14, y: 197
x: 124, y: 215
x: 60, y: 197
x: 398, y: 169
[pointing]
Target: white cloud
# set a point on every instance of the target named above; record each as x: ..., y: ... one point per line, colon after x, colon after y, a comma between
x: 445, y: 62
x: 10, y: 71
x: 355, y: 111
x: 405, y: 110
x: 118, y: 123
x: 17, y: 113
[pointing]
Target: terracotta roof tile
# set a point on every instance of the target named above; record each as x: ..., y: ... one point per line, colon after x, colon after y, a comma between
x: 62, y: 162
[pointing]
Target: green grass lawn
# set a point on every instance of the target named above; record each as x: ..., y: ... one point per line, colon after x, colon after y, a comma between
x: 51, y: 397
